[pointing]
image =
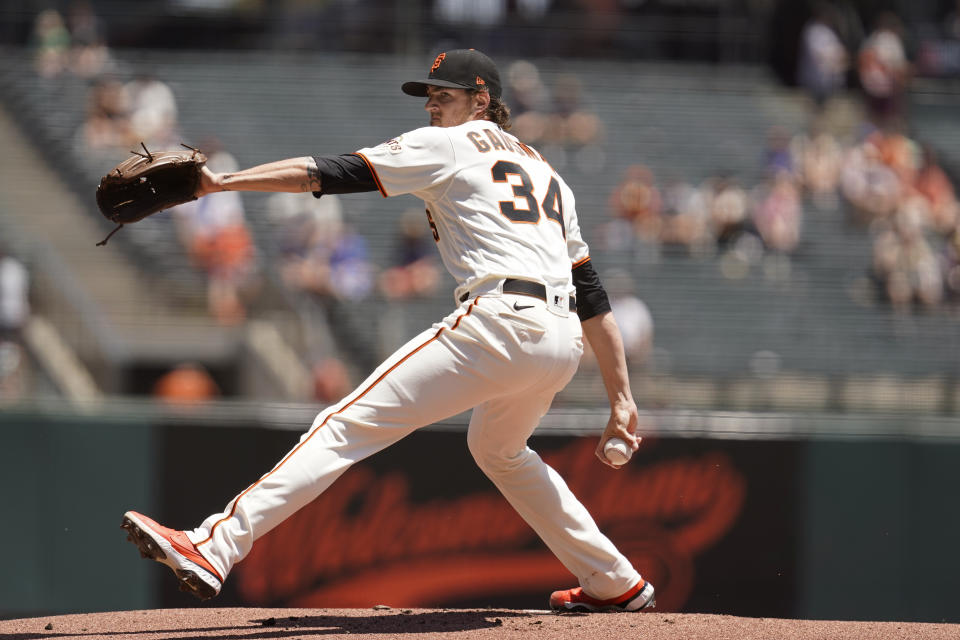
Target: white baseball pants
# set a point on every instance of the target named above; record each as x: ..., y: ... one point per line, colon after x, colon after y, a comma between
x: 504, y: 363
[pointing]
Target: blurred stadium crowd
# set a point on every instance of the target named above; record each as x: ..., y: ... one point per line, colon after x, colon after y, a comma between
x: 855, y: 156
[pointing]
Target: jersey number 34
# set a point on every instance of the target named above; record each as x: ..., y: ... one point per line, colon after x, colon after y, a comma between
x: 552, y: 203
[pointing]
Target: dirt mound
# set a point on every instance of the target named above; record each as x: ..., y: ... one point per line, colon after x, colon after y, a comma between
x: 461, y: 624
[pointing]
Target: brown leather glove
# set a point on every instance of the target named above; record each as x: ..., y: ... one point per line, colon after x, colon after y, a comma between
x: 146, y: 183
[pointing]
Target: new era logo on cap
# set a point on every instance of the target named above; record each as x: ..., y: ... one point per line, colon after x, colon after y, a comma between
x: 459, y: 69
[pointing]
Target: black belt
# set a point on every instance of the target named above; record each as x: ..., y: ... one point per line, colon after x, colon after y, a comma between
x: 526, y: 288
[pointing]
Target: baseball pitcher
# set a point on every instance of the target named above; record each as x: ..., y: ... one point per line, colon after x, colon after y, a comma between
x: 506, y: 227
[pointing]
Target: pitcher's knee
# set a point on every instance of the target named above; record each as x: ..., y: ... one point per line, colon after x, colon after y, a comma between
x: 494, y: 461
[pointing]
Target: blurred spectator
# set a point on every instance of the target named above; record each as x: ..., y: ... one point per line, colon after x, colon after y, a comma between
x: 86, y: 28
x: 743, y: 252
x: 938, y: 52
x: 324, y: 265
x: 617, y: 235
x: 778, y: 213
x: 107, y: 122
x: 870, y: 187
x: 823, y: 60
x: 632, y: 316
x: 330, y: 380
x: 153, y: 111
x: 12, y: 372
x: 636, y: 200
x: 527, y: 100
x: 951, y: 266
x: 899, y: 152
x: 736, y: 243
x: 292, y: 215
x: 728, y: 207
x: 897, y: 188
x: 188, y: 383
x: 89, y: 53
x: 50, y: 43
x: 820, y: 159
x: 14, y: 313
x: 414, y: 272
x: 905, y: 265
x: 320, y: 255
x: 935, y: 187
x: 778, y: 154
x: 884, y: 70
x: 686, y: 219
x: 215, y: 233
x: 571, y: 124
x: 526, y: 88
x: 14, y: 297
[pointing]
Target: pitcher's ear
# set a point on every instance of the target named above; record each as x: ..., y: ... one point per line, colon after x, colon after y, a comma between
x: 481, y: 101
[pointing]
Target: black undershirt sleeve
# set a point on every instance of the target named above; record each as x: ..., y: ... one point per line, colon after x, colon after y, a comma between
x: 346, y: 173
x: 591, y: 296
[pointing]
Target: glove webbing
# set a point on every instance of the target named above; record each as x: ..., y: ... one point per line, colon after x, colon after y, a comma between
x: 103, y: 242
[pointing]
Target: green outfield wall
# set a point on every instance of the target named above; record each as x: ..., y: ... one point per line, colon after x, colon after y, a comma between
x: 753, y: 515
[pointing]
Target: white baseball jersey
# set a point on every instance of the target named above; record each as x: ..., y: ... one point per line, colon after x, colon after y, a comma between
x: 496, y: 207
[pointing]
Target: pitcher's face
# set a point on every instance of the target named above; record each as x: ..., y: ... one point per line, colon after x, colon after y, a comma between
x: 451, y: 107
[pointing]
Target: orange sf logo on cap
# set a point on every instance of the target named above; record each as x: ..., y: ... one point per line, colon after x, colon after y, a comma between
x: 480, y: 81
x: 436, y: 63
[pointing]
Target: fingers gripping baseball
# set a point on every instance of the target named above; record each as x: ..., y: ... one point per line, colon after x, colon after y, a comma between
x: 619, y: 439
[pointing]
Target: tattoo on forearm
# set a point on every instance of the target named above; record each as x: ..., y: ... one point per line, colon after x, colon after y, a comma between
x: 313, y: 182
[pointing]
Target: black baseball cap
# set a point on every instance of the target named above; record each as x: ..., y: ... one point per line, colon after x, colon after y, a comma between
x: 459, y: 69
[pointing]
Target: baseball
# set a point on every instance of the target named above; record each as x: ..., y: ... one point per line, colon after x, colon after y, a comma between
x: 617, y: 451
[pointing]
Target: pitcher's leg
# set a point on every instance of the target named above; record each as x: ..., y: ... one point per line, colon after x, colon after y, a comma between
x: 497, y: 439
x: 317, y: 460
x: 436, y: 375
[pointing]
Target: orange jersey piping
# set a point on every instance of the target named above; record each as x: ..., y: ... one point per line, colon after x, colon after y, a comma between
x: 376, y: 178
x: 580, y: 262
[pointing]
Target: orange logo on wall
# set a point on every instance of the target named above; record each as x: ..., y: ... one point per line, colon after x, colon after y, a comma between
x: 436, y: 63
x: 364, y: 542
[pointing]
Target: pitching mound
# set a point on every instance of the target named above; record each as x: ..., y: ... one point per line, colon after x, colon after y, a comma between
x: 465, y: 624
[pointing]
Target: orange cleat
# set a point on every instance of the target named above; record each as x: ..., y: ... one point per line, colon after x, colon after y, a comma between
x: 172, y: 548
x: 636, y: 599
